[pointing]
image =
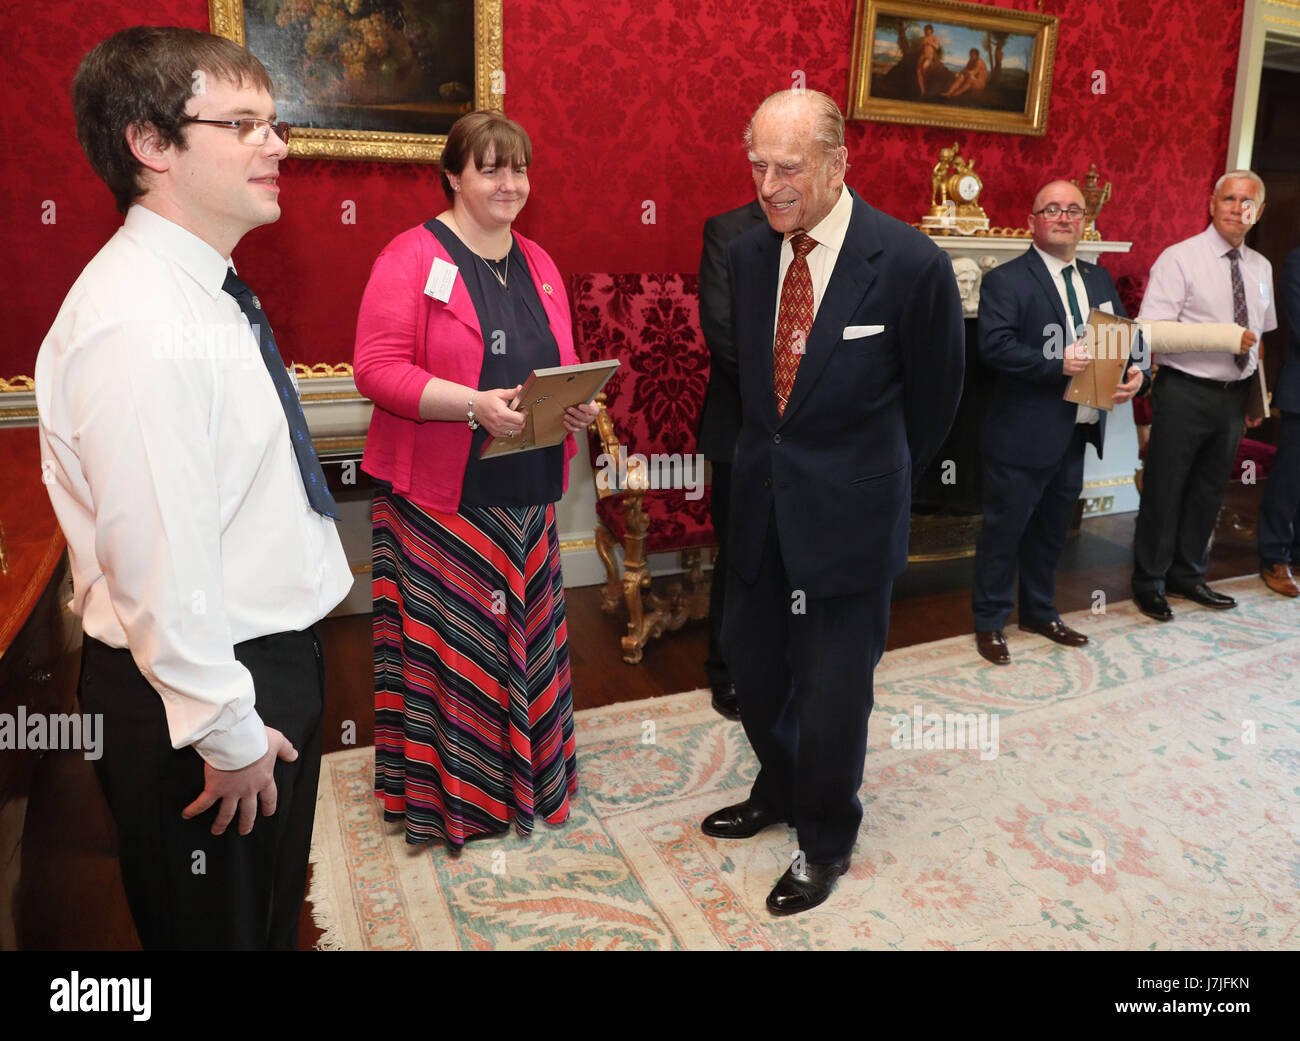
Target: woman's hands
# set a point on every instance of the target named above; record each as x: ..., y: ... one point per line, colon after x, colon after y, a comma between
x: 494, y: 409
x: 579, y: 417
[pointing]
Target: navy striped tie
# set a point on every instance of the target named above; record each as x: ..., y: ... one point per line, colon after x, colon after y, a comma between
x: 313, y: 477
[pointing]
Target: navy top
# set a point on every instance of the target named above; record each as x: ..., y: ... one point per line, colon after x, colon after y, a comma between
x: 517, y: 339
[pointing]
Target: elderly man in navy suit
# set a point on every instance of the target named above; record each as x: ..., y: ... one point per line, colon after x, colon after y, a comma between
x: 1279, y: 512
x: 1032, y: 310
x: 849, y: 335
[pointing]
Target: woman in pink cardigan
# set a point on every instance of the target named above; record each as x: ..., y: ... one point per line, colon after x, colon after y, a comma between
x: 473, y: 710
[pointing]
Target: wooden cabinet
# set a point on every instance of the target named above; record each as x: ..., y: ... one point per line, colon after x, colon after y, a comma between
x: 36, y: 671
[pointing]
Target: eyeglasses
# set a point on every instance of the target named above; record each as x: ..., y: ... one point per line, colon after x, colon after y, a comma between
x: 1051, y: 211
x: 251, y: 131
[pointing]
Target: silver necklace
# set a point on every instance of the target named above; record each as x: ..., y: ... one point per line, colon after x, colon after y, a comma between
x: 495, y: 272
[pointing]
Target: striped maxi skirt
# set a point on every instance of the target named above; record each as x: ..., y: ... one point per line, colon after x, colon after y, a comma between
x: 473, y: 706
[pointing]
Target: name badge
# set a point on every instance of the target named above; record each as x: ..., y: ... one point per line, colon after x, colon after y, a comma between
x: 442, y: 276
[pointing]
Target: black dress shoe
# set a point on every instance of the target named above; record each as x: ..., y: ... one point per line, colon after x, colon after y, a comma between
x: 1204, y: 595
x: 738, y: 822
x: 992, y: 646
x: 1153, y: 605
x: 1056, y: 631
x: 801, y: 890
x: 724, y: 701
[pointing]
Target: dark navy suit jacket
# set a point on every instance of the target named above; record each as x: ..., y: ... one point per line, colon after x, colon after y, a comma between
x: 1028, y: 422
x: 866, y: 411
x: 720, y: 418
x: 1286, y: 395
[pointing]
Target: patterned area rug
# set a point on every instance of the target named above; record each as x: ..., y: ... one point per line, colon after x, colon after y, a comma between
x: 1141, y: 793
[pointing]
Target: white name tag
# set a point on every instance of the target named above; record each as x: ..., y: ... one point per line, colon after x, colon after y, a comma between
x: 442, y: 276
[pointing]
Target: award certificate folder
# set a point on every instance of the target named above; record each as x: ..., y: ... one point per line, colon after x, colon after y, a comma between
x: 545, y: 396
x: 1109, y: 340
x: 1258, y: 399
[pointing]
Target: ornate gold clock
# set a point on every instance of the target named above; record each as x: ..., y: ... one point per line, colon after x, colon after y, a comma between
x: 954, y: 196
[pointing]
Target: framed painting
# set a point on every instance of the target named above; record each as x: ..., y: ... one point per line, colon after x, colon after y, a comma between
x: 372, y: 79
x: 945, y: 63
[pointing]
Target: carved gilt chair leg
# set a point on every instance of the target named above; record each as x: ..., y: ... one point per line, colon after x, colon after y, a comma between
x: 612, y: 591
x: 636, y: 577
x: 636, y: 580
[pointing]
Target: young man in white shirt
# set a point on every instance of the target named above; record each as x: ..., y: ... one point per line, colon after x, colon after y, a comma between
x: 199, y: 528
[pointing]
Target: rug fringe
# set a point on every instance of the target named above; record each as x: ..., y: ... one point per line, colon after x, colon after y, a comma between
x: 319, y: 893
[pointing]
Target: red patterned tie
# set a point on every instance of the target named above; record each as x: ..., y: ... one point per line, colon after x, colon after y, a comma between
x: 794, y: 319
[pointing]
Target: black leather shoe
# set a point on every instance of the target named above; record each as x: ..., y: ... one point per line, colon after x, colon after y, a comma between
x: 992, y: 646
x: 1153, y: 605
x: 738, y: 822
x: 724, y: 701
x: 1203, y: 595
x: 1056, y: 631
x: 801, y: 890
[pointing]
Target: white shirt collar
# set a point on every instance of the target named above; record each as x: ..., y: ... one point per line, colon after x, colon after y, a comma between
x: 183, y: 248
x: 832, y: 228
x: 1055, y: 265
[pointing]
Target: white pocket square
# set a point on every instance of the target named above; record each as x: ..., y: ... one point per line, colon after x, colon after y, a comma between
x: 856, y: 332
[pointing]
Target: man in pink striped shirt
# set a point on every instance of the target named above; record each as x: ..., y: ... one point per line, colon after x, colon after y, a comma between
x: 1199, y: 400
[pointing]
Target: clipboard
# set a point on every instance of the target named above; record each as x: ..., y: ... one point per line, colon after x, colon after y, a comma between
x: 1110, y: 340
x: 544, y: 397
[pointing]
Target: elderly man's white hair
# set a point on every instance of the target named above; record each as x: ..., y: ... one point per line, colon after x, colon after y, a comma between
x: 1249, y: 175
x: 829, y: 131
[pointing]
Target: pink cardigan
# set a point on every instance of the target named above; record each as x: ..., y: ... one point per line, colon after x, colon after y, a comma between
x: 404, y: 337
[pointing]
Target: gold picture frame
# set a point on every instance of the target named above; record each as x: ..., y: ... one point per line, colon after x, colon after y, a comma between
x: 388, y: 136
x: 906, y: 67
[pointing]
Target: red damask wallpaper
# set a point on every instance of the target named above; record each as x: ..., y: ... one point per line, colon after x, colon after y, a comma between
x: 633, y: 103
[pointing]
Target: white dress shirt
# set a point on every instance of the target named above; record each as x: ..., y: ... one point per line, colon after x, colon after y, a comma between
x: 829, y: 236
x: 167, y: 457
x: 1191, y: 281
x: 1055, y: 265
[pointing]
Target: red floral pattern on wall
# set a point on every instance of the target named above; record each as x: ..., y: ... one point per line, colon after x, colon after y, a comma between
x: 632, y: 103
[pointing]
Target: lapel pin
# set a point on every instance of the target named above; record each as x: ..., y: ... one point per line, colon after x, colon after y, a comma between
x: 546, y: 287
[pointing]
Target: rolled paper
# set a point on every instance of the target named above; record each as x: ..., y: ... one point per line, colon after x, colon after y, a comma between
x: 1188, y: 337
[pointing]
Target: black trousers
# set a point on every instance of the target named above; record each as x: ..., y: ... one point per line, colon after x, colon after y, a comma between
x: 187, y: 888
x: 803, y: 675
x: 715, y: 666
x: 1279, y: 511
x: 1195, y: 430
x: 1027, y: 513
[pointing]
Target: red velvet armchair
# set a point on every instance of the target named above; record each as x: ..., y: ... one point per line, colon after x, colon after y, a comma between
x: 643, y: 439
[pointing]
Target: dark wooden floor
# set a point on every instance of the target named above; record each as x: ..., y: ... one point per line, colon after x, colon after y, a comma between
x: 71, y: 895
